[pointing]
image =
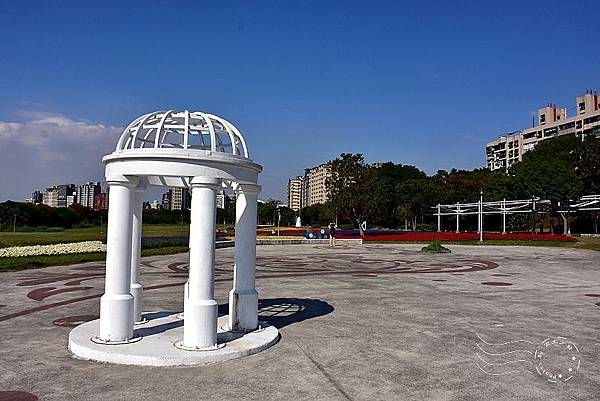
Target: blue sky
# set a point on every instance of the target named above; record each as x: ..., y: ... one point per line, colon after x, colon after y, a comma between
x: 424, y: 83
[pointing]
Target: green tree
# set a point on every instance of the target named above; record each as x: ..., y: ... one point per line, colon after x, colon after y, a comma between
x: 353, y: 188
x: 588, y: 165
x: 389, y: 177
x: 266, y: 212
x: 317, y: 215
x: 549, y: 171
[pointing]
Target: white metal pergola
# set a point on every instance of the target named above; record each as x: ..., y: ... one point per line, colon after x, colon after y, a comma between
x: 588, y: 202
x: 584, y: 204
x: 503, y: 207
x: 506, y: 207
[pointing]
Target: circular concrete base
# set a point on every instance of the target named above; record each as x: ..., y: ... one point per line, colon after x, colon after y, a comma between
x: 157, y: 345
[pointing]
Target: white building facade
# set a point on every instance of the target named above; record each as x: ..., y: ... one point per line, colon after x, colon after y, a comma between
x: 551, y: 121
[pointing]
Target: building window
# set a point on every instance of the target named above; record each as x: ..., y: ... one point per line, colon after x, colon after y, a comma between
x: 542, y: 118
x: 578, y: 124
x: 582, y: 106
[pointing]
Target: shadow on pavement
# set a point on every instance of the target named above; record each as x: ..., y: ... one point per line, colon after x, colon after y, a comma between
x: 281, y: 312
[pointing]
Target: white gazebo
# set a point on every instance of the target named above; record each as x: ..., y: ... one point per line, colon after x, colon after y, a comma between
x: 193, y: 150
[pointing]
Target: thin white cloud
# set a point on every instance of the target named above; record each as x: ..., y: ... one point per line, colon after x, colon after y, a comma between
x: 43, y: 130
x: 46, y: 149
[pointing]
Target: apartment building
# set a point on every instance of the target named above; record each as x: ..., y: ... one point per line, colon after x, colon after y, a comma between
x: 309, y: 189
x: 181, y: 199
x: 551, y: 121
x: 295, y: 193
x: 60, y: 196
x: 101, y: 201
x: 50, y: 197
x: 223, y: 199
x: 87, y: 192
x: 315, y: 179
x: 37, y: 197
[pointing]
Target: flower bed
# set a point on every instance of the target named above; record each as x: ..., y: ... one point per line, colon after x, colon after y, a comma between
x: 444, y: 236
x: 55, y: 249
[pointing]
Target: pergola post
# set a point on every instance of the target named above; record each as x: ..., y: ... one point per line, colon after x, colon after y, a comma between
x: 439, y: 218
x: 116, y: 305
x: 504, y: 216
x: 481, y: 217
x: 200, y: 307
x: 457, y: 217
x: 136, y: 245
x: 243, y: 298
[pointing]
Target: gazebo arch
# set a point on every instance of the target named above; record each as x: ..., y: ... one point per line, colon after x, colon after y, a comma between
x: 202, y: 152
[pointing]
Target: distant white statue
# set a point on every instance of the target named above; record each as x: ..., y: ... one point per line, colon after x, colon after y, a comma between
x: 298, y: 222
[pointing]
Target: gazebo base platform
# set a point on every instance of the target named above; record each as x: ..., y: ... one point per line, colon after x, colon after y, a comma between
x: 158, y: 338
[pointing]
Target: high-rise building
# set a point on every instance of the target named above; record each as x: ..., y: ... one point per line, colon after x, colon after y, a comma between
x: 181, y: 198
x: 37, y: 197
x: 310, y: 189
x: 50, y: 197
x: 314, y: 188
x: 222, y: 199
x: 295, y: 193
x: 67, y: 195
x: 87, y: 192
x: 101, y: 201
x: 166, y: 200
x: 551, y: 121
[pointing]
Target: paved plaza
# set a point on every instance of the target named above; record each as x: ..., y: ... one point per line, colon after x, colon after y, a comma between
x: 358, y: 322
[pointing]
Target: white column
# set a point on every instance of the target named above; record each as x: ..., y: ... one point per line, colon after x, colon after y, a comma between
x: 439, y: 218
x: 200, y: 307
x: 243, y: 298
x: 136, y: 247
x: 116, y: 305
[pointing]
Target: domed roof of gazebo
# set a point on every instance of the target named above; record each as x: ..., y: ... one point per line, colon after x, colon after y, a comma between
x: 185, y: 130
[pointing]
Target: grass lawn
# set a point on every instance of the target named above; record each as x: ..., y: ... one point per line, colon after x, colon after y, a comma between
x: 85, y: 234
x: 36, y: 262
x: 7, y: 239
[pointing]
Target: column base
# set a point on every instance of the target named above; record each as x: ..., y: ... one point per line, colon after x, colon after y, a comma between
x: 116, y: 318
x: 200, y: 324
x: 137, y: 291
x: 181, y: 345
x: 243, y: 310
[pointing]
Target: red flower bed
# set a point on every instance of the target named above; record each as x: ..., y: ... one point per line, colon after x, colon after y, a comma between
x: 428, y: 236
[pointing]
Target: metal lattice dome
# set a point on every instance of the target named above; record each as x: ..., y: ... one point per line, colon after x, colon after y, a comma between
x: 183, y: 130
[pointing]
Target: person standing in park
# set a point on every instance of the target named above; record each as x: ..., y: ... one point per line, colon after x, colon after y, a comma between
x: 331, y: 234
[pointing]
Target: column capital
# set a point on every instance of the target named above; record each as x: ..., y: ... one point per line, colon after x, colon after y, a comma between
x: 205, y: 182
x: 250, y: 189
x: 130, y: 182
